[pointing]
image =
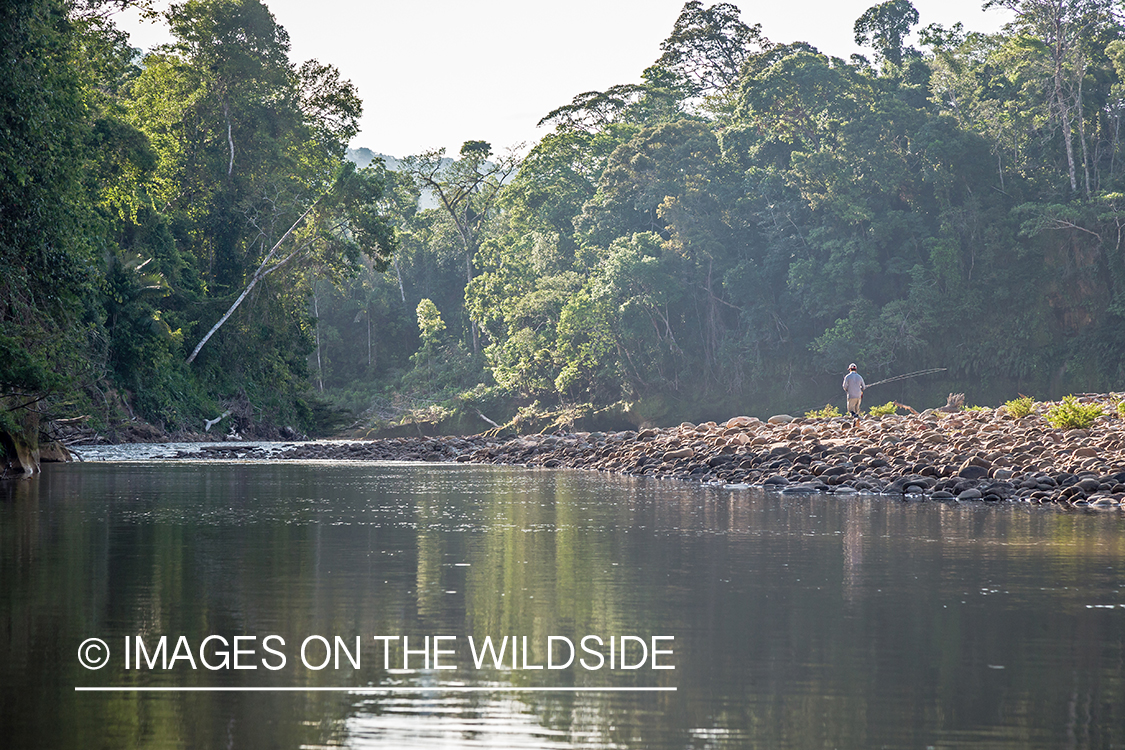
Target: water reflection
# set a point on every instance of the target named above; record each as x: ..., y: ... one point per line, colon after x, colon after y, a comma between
x: 798, y: 621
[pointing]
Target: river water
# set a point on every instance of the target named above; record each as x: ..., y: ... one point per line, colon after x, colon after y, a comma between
x: 747, y: 619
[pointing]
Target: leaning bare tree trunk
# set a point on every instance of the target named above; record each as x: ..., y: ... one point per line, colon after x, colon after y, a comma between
x: 258, y: 275
x: 319, y: 365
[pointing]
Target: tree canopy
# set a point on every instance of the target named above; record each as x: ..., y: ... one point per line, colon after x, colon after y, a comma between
x: 722, y: 234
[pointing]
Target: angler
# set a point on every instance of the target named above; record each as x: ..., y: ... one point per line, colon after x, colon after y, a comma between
x: 854, y: 387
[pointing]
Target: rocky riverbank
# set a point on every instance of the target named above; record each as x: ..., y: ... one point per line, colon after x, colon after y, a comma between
x: 967, y: 456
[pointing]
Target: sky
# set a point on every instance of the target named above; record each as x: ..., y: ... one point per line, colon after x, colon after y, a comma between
x: 436, y: 73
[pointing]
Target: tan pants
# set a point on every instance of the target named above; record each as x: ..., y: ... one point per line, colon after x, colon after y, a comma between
x: 853, y: 405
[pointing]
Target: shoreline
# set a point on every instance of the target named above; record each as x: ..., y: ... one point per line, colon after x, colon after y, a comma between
x: 985, y: 455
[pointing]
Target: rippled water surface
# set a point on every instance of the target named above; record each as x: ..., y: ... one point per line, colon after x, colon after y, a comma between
x: 792, y: 621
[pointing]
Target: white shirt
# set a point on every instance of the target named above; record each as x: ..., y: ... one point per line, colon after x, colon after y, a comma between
x: 853, y: 384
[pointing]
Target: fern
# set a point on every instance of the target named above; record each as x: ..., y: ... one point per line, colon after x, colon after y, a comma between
x: 1020, y: 407
x: 1070, y: 414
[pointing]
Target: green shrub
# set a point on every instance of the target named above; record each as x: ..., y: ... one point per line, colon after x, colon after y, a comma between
x: 885, y: 410
x: 1070, y: 414
x: 827, y: 412
x: 976, y: 408
x: 1121, y: 410
x: 1020, y: 407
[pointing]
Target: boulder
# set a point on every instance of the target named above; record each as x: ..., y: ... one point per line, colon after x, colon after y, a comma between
x: 972, y: 471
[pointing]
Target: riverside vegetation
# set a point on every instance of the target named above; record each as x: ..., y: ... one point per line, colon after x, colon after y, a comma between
x: 185, y: 243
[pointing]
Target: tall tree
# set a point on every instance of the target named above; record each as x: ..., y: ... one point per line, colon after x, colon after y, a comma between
x: 344, y: 221
x: 708, y: 46
x: 884, y: 27
x: 1061, y: 31
x: 467, y: 190
x: 250, y: 148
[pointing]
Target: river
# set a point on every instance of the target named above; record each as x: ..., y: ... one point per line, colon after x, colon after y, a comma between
x: 355, y: 600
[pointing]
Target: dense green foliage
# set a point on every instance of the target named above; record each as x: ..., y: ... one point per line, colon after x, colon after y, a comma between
x: 723, y: 236
x: 732, y: 231
x: 1020, y: 407
x: 885, y: 410
x: 143, y: 196
x: 828, y: 412
x: 1071, y: 414
x: 47, y: 255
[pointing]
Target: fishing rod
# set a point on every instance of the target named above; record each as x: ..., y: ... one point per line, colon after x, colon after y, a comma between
x: 901, y: 377
x: 908, y: 375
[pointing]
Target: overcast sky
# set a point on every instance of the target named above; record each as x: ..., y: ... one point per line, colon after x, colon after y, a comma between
x: 436, y: 73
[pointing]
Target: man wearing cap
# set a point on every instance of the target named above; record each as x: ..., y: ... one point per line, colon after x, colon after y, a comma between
x: 853, y: 386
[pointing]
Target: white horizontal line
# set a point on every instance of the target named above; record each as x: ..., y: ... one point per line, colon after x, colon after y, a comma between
x: 430, y: 689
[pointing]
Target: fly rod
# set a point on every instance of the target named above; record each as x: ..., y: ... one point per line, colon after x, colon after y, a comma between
x: 908, y: 375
